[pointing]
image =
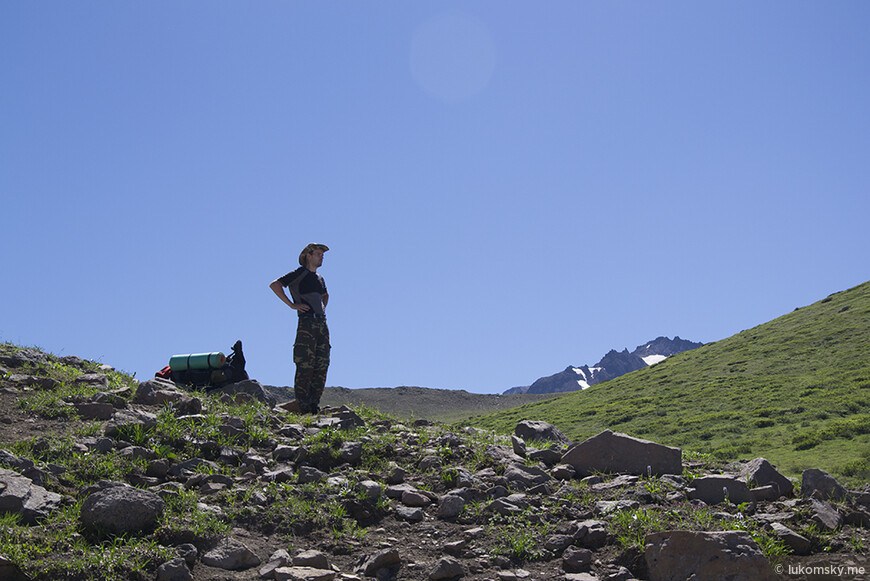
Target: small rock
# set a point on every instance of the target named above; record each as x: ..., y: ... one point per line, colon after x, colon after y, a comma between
x: 464, y: 478
x: 347, y: 418
x: 395, y: 476
x: 517, y: 575
x: 450, y: 506
x: 558, y: 543
x: 93, y: 380
x: 174, y: 570
x: 532, y: 430
x: 410, y: 514
x: 312, y: 559
x: 857, y: 517
x: 825, y: 515
x: 591, y: 534
x: 765, y: 493
x: 718, y: 489
x: 158, y: 468
x: 475, y: 533
x: 127, y: 421
x: 188, y: 552
x: 303, y: 574
x: 525, y: 476
x: 370, y: 489
x: 430, y: 463
x: 285, y: 453
x: 95, y: 411
x: 36, y: 382
x: 117, y: 398
x: 502, y: 454
x: 447, y: 568
x: 576, y: 560
x: 309, y: 474
x: 621, y: 574
x: 818, y: 483
x: 156, y: 391
x: 503, y: 507
x: 248, y: 387
x: 497, y: 492
x: 549, y: 456
x: 797, y: 543
x: 293, y: 431
x: 280, y: 475
x: 456, y: 547
x: 580, y: 577
x: 137, y: 453
x: 618, y: 482
x: 278, y: 559
x: 519, y: 446
x: 398, y: 490
x: 9, y: 459
x: 231, y: 555
x: 386, y: 559
x: 591, y: 480
x: 563, y: 472
x: 606, y: 507
x: 9, y: 571
x: 760, y: 472
x: 350, y: 452
x: 415, y: 498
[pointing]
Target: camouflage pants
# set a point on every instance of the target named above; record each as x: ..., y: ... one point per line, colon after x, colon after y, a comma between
x: 311, y: 356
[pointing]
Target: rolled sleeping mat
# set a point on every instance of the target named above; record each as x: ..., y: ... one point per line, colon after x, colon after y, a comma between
x: 187, y: 362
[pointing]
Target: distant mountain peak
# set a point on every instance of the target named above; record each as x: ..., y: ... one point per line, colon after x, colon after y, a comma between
x: 613, y: 364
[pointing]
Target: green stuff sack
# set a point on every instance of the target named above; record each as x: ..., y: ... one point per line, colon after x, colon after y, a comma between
x: 197, y: 361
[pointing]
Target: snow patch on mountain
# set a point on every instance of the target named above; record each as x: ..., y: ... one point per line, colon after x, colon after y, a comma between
x: 583, y: 383
x: 653, y: 359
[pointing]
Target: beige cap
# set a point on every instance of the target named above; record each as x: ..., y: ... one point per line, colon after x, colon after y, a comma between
x: 310, y: 248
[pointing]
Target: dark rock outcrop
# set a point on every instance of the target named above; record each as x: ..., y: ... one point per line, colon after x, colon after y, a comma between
x: 612, y: 365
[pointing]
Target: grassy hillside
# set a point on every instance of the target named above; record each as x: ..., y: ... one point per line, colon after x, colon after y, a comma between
x: 795, y: 390
x: 438, y: 405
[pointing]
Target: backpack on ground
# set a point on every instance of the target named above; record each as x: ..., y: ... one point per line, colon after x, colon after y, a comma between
x: 205, y: 371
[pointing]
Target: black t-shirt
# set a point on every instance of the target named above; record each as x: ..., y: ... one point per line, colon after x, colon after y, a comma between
x: 306, y: 287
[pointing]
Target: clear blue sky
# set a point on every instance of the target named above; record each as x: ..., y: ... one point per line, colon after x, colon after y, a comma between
x: 507, y: 188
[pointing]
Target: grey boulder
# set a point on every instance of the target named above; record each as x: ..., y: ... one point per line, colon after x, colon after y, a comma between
x: 231, y: 555
x: 19, y: 495
x: 122, y: 509
x: 818, y: 483
x: 533, y: 430
x: 684, y: 555
x: 718, y: 489
x: 620, y: 453
x: 760, y: 472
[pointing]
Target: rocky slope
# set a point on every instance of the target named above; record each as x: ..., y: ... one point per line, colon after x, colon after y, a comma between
x: 613, y: 364
x: 102, y: 477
